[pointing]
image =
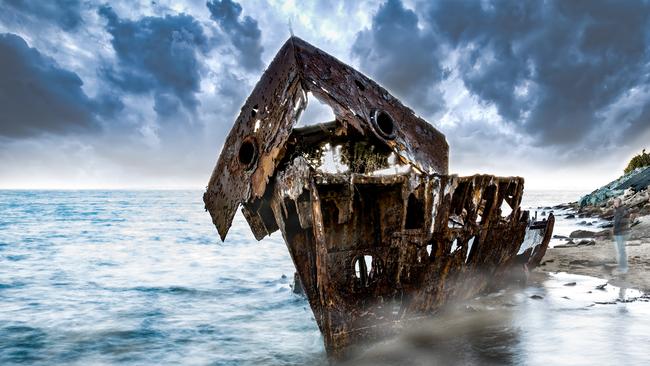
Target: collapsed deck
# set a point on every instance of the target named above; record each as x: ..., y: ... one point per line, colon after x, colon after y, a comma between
x: 378, y: 231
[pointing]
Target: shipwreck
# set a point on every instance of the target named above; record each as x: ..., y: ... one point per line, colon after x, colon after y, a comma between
x: 383, y: 235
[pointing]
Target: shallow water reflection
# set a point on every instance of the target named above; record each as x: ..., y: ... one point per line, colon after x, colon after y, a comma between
x: 139, y: 277
x: 561, y: 320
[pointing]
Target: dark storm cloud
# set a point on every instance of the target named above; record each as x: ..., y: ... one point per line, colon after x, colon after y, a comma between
x: 550, y: 67
x: 65, y: 13
x: 157, y: 55
x: 37, y: 95
x: 400, y: 56
x: 244, y: 34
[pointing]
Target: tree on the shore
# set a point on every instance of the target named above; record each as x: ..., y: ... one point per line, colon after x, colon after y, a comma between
x: 638, y: 161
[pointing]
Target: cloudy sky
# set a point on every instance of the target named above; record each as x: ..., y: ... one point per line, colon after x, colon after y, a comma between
x: 98, y: 94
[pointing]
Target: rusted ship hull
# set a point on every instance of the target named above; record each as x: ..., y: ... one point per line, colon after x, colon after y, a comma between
x: 374, y: 251
x: 386, y: 235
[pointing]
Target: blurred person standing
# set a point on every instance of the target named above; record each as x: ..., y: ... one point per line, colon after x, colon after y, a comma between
x: 621, y: 231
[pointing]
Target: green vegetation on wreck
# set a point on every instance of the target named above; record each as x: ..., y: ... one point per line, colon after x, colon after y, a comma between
x: 638, y: 161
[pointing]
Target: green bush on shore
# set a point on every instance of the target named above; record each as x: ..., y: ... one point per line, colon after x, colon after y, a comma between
x: 638, y: 161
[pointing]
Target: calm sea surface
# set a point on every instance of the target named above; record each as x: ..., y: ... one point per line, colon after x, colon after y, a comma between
x: 141, y: 278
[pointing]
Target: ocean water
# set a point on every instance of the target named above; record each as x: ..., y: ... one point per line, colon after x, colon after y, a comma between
x: 141, y: 278
x: 540, y: 204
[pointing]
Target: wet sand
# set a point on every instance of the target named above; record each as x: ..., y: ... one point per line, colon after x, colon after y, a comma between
x: 556, y: 319
x: 599, y: 260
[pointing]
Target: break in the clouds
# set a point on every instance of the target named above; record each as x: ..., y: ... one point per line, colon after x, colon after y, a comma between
x: 37, y: 95
x: 557, y: 83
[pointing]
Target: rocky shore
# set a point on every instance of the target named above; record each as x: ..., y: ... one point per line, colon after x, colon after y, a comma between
x: 591, y: 251
x: 595, y: 256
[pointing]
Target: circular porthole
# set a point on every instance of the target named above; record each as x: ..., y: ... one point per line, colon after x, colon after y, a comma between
x: 384, y: 124
x: 248, y: 153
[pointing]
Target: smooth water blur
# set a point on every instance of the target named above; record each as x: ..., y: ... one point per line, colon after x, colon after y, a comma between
x: 560, y: 320
x: 140, y: 277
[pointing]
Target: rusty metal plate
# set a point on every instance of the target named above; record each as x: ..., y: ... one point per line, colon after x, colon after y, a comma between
x: 257, y: 140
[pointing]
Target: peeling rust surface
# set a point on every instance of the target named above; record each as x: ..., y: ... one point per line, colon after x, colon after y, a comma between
x: 273, y: 108
x: 379, y: 232
x: 354, y: 97
x: 265, y: 120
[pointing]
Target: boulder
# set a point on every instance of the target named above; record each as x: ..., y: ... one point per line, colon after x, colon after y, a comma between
x: 586, y: 242
x: 297, y: 286
x: 603, y: 234
x: 637, y: 200
x: 569, y: 244
x: 581, y: 234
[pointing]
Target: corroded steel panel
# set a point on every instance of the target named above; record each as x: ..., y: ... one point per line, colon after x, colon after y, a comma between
x: 267, y: 118
x: 256, y: 141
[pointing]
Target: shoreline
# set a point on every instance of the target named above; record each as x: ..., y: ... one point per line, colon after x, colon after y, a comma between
x: 595, y: 255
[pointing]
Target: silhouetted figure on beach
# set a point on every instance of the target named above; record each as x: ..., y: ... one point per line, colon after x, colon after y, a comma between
x: 621, y: 232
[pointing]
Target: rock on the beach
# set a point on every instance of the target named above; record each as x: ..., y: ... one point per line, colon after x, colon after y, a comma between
x: 586, y: 242
x: 603, y: 234
x: 638, y: 199
x: 570, y: 244
x: 626, y: 185
x: 581, y: 234
x: 297, y: 286
x: 570, y: 216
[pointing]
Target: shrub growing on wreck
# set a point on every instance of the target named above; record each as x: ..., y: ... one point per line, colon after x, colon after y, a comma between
x: 638, y: 161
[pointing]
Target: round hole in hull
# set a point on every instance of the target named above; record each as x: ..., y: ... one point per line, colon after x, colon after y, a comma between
x: 384, y: 124
x: 248, y: 153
